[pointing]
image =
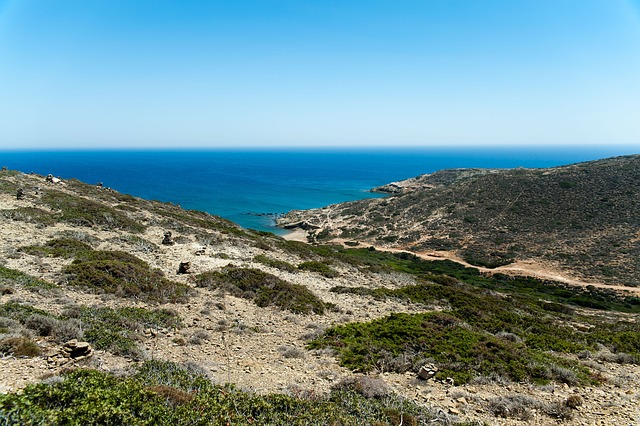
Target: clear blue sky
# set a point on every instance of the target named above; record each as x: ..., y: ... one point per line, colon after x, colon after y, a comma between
x: 157, y: 73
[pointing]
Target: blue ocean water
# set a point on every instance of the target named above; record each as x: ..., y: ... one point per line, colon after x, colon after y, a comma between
x: 240, y: 185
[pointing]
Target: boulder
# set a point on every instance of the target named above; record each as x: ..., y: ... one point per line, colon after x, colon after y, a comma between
x: 427, y: 371
x: 184, y: 268
x: 167, y: 240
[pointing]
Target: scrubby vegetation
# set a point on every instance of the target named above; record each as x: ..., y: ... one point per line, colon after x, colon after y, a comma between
x: 480, y: 333
x: 583, y: 216
x: 263, y: 288
x: 114, y: 330
x: 446, y: 271
x: 18, y: 346
x: 275, y: 263
x: 163, y: 393
x: 319, y: 267
x: 476, y: 328
x: 117, y: 330
x: 30, y: 215
x: 81, y: 211
x: 59, y: 247
x: 11, y: 278
x: 403, y: 342
x: 124, y: 275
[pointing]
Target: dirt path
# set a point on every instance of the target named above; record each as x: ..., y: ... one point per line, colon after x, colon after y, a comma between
x: 522, y: 267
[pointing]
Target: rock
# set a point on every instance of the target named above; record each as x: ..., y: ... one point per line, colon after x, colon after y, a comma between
x: 167, y: 240
x: 20, y: 194
x: 427, y: 371
x: 76, y: 350
x: 52, y: 179
x: 301, y: 225
x: 201, y: 251
x: 184, y: 268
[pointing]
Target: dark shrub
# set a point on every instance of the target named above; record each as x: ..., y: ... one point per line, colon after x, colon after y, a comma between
x: 124, y: 275
x: 264, y: 288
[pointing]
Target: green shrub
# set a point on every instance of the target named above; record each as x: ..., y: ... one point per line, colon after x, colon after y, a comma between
x: 60, y: 330
x: 319, y: 267
x: 274, y: 263
x: 117, y: 330
x: 461, y: 351
x: 84, y: 212
x: 19, y: 346
x: 15, y: 278
x: 124, y: 275
x: 60, y: 247
x: 163, y: 393
x: 263, y: 288
x: 19, y: 312
x: 30, y: 215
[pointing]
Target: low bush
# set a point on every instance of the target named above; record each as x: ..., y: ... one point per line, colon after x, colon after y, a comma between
x: 513, y: 407
x: 85, y: 212
x: 163, y: 393
x: 274, y: 263
x: 114, y: 330
x: 124, y: 275
x: 19, y: 346
x: 319, y: 267
x: 60, y: 247
x: 369, y: 387
x: 263, y: 288
x: 11, y: 278
x: 460, y: 350
x: 291, y: 352
x: 118, y: 330
x: 59, y: 330
x: 30, y: 215
x: 20, y: 312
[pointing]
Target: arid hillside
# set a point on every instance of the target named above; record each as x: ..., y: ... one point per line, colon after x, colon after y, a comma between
x: 119, y: 310
x: 583, y: 219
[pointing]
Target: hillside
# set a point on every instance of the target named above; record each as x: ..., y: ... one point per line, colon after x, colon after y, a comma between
x: 582, y: 219
x: 98, y: 327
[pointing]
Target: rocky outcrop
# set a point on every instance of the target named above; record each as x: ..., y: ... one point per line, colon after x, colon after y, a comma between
x: 71, y: 351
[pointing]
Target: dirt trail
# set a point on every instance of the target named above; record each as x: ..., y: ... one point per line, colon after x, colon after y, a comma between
x: 522, y: 267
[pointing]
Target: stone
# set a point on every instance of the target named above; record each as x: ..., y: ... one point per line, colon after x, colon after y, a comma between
x: 201, y: 251
x: 20, y: 194
x: 427, y: 371
x: 76, y: 350
x: 184, y: 268
x: 167, y: 240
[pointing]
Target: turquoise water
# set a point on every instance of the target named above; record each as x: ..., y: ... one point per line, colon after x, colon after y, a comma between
x: 241, y: 185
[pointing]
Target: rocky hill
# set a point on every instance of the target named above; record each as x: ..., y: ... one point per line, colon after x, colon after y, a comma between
x: 119, y: 310
x: 582, y: 219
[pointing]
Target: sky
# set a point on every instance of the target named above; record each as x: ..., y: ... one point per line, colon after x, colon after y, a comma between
x: 229, y: 73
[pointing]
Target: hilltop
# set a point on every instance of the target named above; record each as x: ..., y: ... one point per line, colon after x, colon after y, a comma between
x: 582, y: 220
x: 98, y: 326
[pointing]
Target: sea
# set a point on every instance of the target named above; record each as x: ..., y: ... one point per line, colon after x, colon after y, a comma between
x: 253, y: 186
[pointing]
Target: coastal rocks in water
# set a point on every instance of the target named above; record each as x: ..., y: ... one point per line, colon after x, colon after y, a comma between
x: 300, y: 225
x: 184, y: 268
x: 20, y: 194
x: 167, y: 240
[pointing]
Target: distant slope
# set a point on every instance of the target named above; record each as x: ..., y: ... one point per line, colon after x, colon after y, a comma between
x: 584, y: 218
